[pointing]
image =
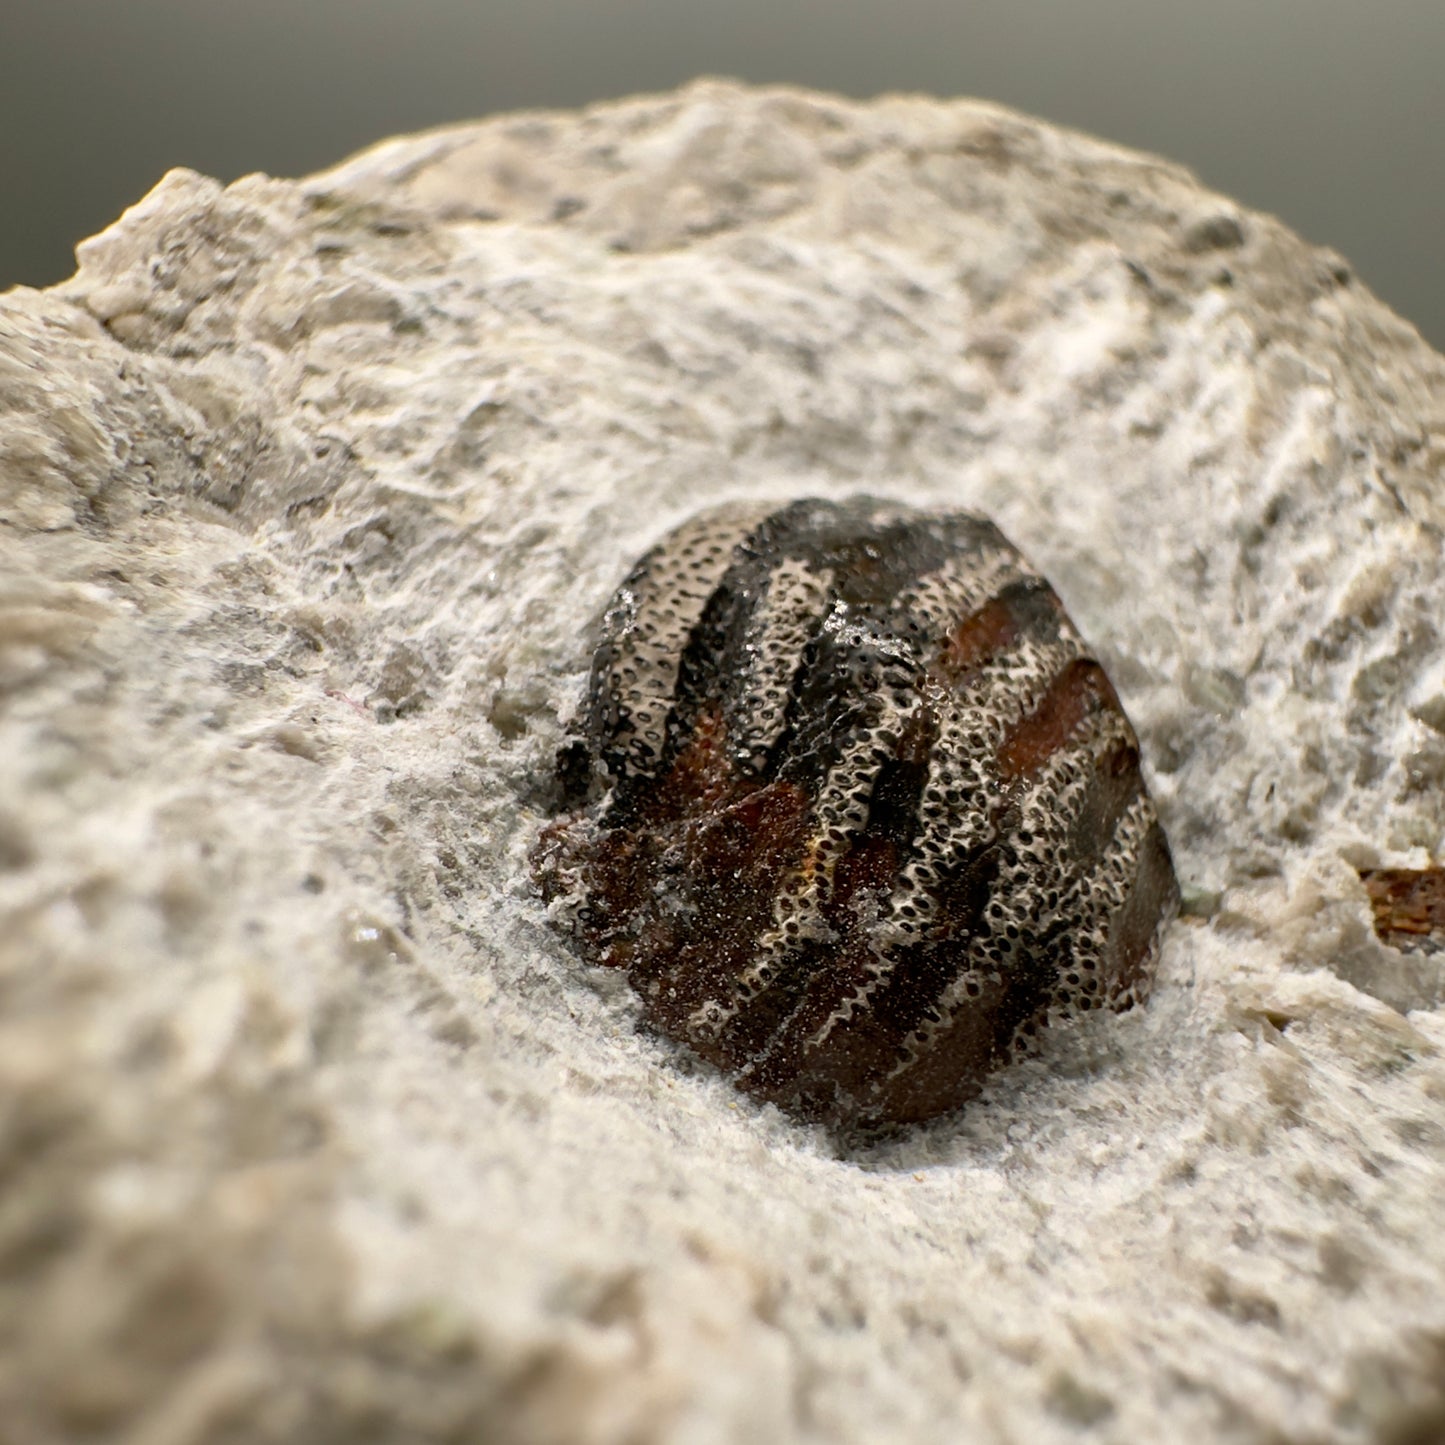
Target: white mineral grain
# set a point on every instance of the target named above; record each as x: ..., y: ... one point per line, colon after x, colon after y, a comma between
x: 312, y: 1129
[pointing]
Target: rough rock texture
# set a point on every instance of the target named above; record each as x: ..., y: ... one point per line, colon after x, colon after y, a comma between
x: 310, y: 1129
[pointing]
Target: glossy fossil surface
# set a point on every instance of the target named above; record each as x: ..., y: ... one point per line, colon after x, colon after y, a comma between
x: 854, y: 807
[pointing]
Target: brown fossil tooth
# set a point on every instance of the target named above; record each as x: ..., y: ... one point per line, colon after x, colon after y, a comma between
x: 865, y: 814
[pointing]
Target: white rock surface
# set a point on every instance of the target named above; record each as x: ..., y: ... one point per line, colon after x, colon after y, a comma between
x: 310, y: 1129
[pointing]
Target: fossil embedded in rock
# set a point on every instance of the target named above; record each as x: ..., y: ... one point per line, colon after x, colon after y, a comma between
x: 1409, y: 906
x: 857, y: 811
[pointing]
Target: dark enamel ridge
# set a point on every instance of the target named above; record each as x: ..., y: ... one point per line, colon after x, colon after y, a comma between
x: 854, y: 808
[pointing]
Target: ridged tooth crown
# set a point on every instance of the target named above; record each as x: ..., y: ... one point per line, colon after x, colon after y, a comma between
x: 866, y: 813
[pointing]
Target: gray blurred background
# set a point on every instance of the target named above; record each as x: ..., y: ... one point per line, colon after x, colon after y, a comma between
x: 1330, y: 113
